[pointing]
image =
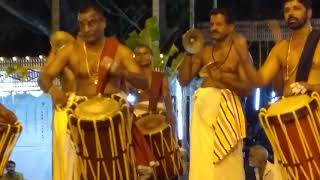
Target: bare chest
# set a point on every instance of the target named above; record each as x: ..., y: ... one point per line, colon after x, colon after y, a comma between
x: 85, y: 65
x: 224, y: 59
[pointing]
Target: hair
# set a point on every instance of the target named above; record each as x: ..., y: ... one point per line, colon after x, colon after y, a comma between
x: 143, y: 46
x: 225, y: 12
x: 262, y: 150
x: 92, y: 7
x: 11, y: 162
x: 306, y: 3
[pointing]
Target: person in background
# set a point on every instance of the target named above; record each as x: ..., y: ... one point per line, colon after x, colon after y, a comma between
x: 12, y: 174
x: 264, y: 169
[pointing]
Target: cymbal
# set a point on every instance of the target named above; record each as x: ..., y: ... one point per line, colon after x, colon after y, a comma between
x: 193, y: 41
x: 60, y: 38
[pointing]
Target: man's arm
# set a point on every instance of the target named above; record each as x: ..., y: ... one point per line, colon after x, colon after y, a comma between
x: 132, y: 71
x: 168, y: 102
x: 269, y: 69
x: 52, y: 70
x: 189, y: 68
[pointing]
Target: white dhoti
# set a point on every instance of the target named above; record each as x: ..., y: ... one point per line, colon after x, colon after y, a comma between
x: 64, y: 157
x: 213, y: 157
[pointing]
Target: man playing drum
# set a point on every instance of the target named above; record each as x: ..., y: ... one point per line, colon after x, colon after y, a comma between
x: 144, y: 57
x: 98, y: 63
x: 285, y: 54
x: 216, y: 135
x: 156, y: 100
x: 298, y: 59
x: 83, y: 58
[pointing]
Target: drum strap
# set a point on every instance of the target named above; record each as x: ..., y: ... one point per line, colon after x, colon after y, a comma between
x: 155, y: 92
x: 109, y: 50
x: 306, y: 58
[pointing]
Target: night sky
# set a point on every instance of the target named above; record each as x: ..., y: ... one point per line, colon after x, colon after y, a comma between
x: 18, y: 38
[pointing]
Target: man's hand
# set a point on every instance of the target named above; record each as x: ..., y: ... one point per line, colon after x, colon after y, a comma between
x: 6, y: 115
x: 299, y: 88
x: 275, y: 28
x: 58, y: 96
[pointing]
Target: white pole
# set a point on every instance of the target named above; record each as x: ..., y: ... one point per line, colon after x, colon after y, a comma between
x: 215, y: 3
x: 55, y: 15
x: 191, y: 15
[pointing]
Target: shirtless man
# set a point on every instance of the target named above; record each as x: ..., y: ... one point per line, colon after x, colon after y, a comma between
x: 83, y: 58
x: 211, y: 156
x: 144, y: 57
x: 285, y: 55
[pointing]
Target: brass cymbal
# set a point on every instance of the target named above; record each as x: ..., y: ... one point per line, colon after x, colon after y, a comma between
x: 193, y: 41
x: 59, y: 39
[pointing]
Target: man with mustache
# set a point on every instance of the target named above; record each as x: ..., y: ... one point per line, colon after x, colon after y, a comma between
x: 218, y: 125
x: 285, y: 55
x: 298, y: 58
x: 82, y: 57
x: 98, y: 63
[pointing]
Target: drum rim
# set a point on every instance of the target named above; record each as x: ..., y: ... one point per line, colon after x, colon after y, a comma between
x: 288, y: 116
x: 152, y: 131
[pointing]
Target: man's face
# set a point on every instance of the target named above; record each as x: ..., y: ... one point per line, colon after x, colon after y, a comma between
x: 220, y: 29
x: 254, y: 158
x: 92, y: 25
x: 295, y: 14
x: 143, y: 56
x: 11, y: 168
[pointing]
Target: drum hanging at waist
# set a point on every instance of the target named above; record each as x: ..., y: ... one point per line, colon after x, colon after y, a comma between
x: 293, y: 128
x: 100, y: 130
x: 9, y: 134
x: 160, y: 137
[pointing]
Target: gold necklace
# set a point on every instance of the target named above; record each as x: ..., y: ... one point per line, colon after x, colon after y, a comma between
x: 287, y: 59
x: 87, y: 63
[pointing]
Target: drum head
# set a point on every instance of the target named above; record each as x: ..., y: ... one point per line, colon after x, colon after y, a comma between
x: 97, y: 108
x: 288, y: 104
x: 152, y: 123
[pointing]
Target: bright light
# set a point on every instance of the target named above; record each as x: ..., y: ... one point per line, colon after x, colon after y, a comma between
x: 1, y: 59
x: 257, y: 99
x: 131, y: 98
x: 161, y: 55
x: 14, y: 58
x: 40, y: 56
x: 27, y: 58
x: 36, y: 93
x: 4, y: 94
x: 133, y: 55
x: 273, y: 97
x: 179, y: 109
x: 162, y: 62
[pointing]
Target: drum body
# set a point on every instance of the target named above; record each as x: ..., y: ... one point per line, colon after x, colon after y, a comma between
x: 9, y: 134
x: 293, y: 128
x: 163, y: 144
x: 100, y: 131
